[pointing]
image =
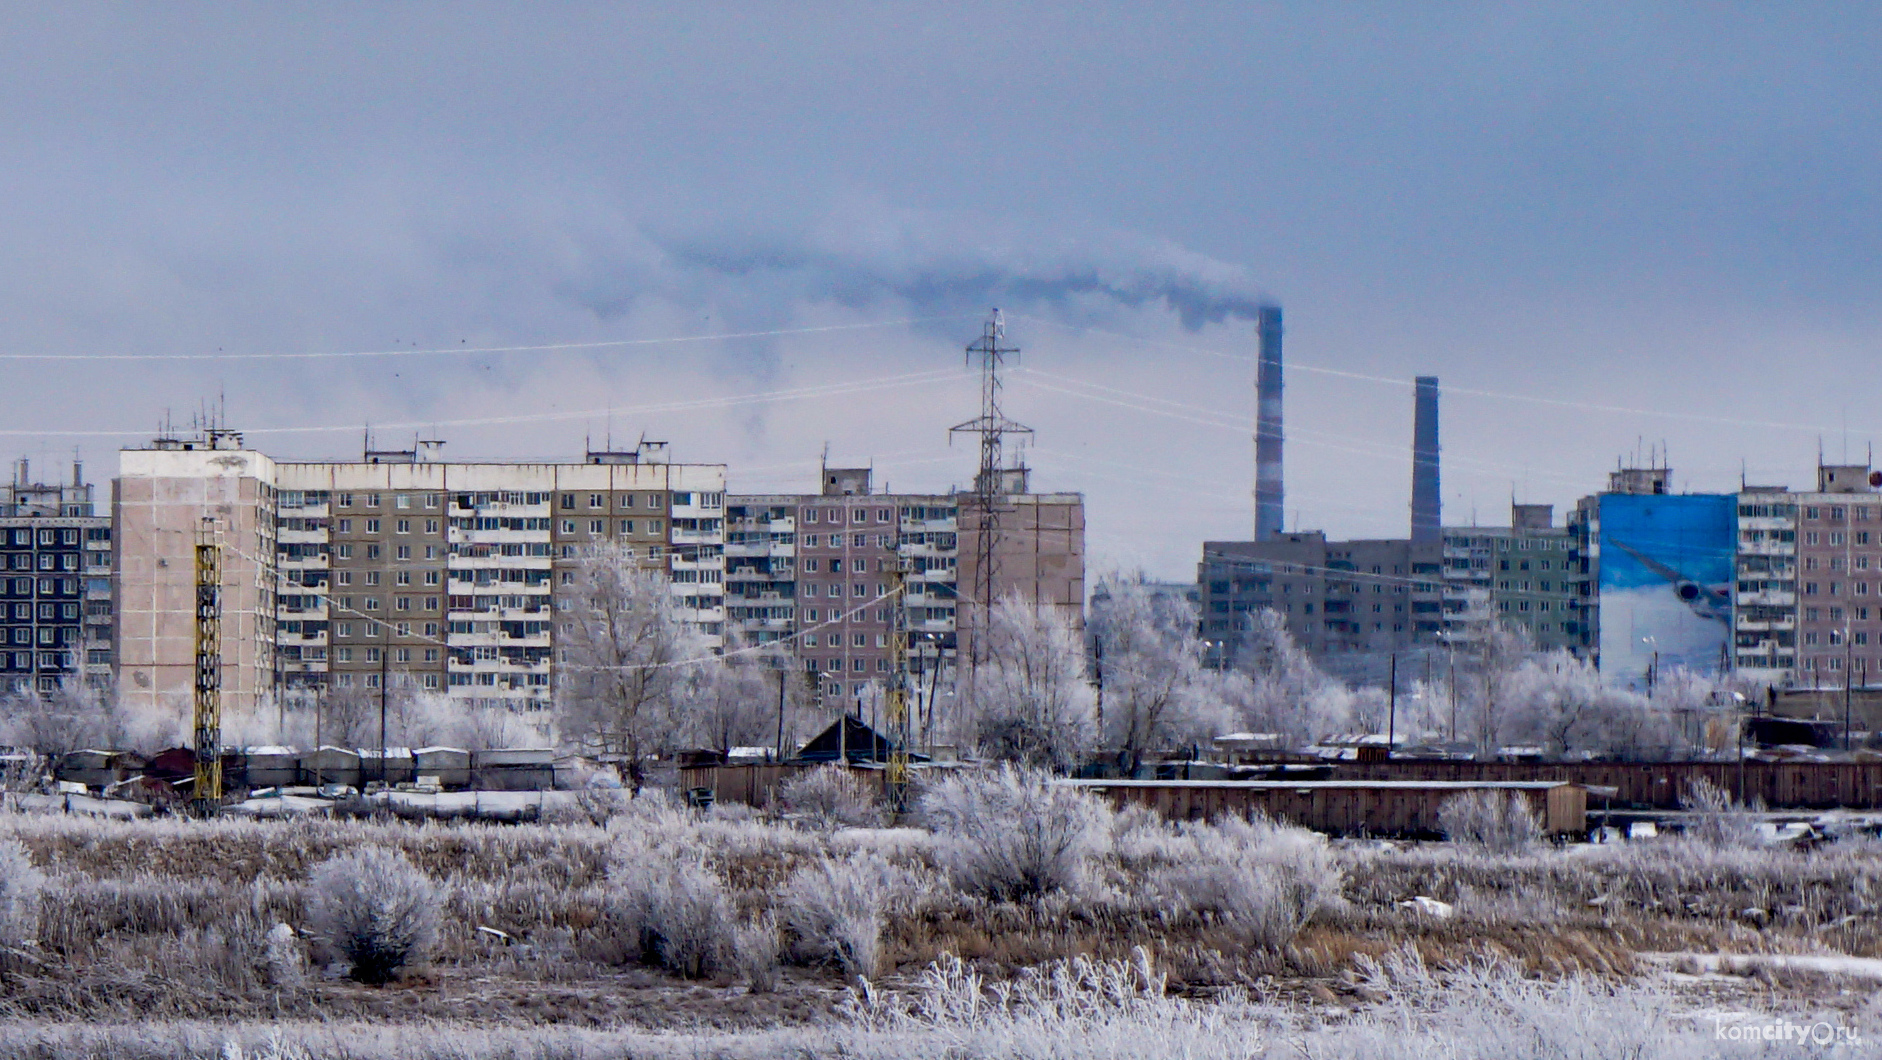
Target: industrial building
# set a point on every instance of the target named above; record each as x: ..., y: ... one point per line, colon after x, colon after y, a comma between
x: 1341, y: 600
x: 55, y: 584
x: 400, y: 567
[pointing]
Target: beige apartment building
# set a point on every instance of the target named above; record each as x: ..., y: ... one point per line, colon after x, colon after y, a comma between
x: 401, y: 567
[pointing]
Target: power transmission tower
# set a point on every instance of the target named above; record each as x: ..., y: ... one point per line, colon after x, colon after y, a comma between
x: 208, y: 698
x: 993, y: 427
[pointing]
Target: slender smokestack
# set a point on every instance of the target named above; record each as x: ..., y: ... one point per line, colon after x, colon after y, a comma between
x: 1270, y: 499
x: 1426, y: 515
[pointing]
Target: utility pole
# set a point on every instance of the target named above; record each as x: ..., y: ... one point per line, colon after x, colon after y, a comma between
x: 781, y: 680
x: 1391, y: 723
x: 895, y: 698
x: 385, y: 650
x: 992, y: 426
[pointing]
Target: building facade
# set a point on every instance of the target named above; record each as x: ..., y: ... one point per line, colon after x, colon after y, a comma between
x: 1339, y: 598
x: 1526, y: 576
x: 399, y: 568
x: 816, y: 572
x: 55, y: 585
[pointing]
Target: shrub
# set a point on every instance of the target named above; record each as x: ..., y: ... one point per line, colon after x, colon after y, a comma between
x: 1011, y: 833
x: 20, y: 886
x: 1716, y: 819
x: 1496, y: 821
x: 837, y: 908
x: 1263, y: 880
x: 755, y: 952
x: 670, y: 908
x: 830, y: 797
x: 376, y: 909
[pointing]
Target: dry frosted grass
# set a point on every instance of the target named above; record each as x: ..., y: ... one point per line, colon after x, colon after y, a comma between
x: 1071, y: 1010
x: 205, y: 921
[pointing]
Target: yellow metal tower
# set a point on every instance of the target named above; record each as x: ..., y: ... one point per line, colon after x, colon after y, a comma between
x: 895, y: 705
x: 208, y: 699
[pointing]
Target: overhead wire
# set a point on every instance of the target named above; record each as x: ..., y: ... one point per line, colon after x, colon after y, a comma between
x: 1501, y: 395
x: 464, y: 350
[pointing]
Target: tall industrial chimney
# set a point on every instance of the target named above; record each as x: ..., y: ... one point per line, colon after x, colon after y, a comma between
x: 1426, y: 514
x: 1270, y: 500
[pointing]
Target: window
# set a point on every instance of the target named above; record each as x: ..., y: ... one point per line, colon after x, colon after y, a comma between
x: 627, y: 526
x: 432, y: 500
x: 372, y: 500
x: 344, y: 655
x: 431, y: 577
x: 627, y: 500
x: 403, y: 526
x: 346, y: 500
x: 404, y: 552
x: 344, y: 526
x: 372, y: 526
x: 372, y: 577
x: 372, y: 603
x: 402, y: 603
x: 597, y: 526
x: 342, y: 577
x: 568, y: 526
x: 810, y: 515
x: 343, y: 551
x: 836, y: 566
x: 403, y: 500
x: 568, y: 502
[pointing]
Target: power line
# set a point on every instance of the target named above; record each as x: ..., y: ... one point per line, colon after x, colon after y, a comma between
x: 1500, y: 395
x: 462, y: 350
x: 759, y: 397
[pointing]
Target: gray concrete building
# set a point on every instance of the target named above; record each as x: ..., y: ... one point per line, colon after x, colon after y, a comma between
x: 55, y: 584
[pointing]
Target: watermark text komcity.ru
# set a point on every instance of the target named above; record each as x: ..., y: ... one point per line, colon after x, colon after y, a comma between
x: 1818, y: 1033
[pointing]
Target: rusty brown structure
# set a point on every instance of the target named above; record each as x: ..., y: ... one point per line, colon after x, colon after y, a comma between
x: 1399, y: 808
x: 1661, y: 785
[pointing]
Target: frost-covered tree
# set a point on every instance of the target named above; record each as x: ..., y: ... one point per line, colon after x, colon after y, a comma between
x: 1031, y: 699
x: 627, y: 668
x: 73, y: 716
x: 735, y: 696
x: 1148, y: 654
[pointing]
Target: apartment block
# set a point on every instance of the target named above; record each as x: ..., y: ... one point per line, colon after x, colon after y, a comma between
x: 1339, y: 598
x: 403, y: 567
x: 164, y: 500
x: 1526, y: 576
x: 813, y: 571
x: 1764, y: 611
x: 1661, y: 566
x: 1839, y: 580
x: 55, y: 585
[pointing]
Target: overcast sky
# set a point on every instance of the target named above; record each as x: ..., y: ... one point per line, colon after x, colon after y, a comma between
x: 1616, y: 223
